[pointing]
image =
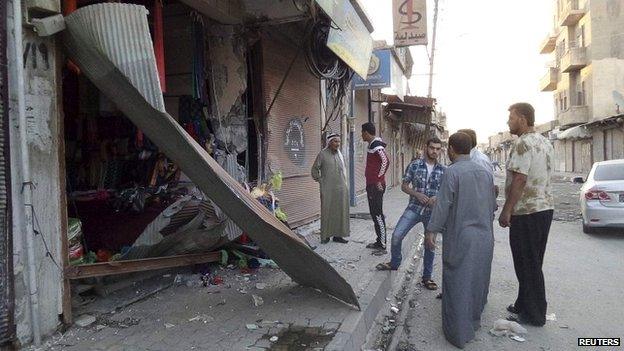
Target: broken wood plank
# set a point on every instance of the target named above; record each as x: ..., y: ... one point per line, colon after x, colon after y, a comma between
x: 145, y: 264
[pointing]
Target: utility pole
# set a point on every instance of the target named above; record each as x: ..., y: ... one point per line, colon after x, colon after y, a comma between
x: 433, y: 43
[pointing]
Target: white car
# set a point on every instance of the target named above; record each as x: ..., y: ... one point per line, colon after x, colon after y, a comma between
x: 602, y: 196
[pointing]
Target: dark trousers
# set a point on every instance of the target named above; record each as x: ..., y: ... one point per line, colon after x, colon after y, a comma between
x: 528, y: 235
x: 375, y: 206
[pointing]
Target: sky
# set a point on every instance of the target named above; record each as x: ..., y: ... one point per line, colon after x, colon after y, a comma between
x: 487, y: 57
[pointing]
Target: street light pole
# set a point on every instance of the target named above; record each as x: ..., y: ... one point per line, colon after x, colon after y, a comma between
x: 433, y: 43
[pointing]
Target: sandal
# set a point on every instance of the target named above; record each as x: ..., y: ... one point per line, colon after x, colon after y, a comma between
x: 379, y: 252
x: 385, y: 267
x: 430, y: 284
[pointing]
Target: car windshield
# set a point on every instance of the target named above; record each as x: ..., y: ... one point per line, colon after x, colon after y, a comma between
x: 610, y: 172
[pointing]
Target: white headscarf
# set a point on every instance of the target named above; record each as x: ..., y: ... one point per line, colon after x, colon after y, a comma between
x: 329, y: 138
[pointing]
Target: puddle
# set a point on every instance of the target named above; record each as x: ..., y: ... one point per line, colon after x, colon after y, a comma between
x: 302, y: 339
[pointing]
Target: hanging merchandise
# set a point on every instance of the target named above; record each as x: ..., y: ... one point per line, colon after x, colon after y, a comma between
x: 191, y: 117
x: 199, y: 59
x: 74, y: 239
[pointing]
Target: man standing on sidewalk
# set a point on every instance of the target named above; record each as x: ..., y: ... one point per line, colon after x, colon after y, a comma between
x: 329, y: 170
x: 528, y: 211
x: 475, y: 154
x: 424, y: 175
x: 479, y: 157
x: 463, y: 213
x: 376, y: 166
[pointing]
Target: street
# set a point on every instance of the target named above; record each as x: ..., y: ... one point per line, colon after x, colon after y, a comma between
x: 584, y: 288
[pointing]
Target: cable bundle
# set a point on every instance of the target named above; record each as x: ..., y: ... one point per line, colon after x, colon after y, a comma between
x: 324, y: 64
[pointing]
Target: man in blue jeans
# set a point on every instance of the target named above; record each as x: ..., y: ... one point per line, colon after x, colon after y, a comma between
x: 421, y: 182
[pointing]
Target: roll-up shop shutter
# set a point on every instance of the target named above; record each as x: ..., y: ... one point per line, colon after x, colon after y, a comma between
x: 6, y: 256
x: 294, y: 129
x: 361, y: 147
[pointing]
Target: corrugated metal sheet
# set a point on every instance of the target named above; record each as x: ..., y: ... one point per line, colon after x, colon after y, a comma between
x: 291, y: 253
x: 298, y: 99
x: 6, y: 245
x: 122, y: 32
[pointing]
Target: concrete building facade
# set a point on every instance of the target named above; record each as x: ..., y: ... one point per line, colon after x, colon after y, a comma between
x: 586, y: 77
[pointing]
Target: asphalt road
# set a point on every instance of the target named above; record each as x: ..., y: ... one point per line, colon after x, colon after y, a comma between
x: 584, y: 286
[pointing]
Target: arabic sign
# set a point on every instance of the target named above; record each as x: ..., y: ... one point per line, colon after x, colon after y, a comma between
x: 378, y: 72
x: 294, y: 142
x: 410, y: 22
x: 351, y: 41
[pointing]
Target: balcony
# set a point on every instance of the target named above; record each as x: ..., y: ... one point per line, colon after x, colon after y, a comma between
x: 549, y: 44
x: 573, y: 116
x: 574, y: 59
x: 571, y: 13
x: 550, y: 80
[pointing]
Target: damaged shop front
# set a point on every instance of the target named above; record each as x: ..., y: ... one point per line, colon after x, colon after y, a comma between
x: 148, y: 100
x: 411, y: 118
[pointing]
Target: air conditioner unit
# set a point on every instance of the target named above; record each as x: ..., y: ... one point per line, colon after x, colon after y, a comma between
x: 47, y: 7
x: 40, y: 9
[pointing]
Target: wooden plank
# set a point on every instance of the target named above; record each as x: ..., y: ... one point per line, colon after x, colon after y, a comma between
x: 131, y: 266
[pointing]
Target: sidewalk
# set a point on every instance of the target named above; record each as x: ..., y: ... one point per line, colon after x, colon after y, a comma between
x: 188, y: 316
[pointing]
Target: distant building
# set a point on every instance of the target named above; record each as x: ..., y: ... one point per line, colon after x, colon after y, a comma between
x: 586, y: 77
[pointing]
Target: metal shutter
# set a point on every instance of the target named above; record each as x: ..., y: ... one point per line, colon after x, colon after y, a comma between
x: 298, y: 99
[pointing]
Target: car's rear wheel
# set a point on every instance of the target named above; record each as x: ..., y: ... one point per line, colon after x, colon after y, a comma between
x: 587, y: 229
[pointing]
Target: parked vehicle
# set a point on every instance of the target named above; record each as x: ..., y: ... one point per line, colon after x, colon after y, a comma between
x: 602, y: 196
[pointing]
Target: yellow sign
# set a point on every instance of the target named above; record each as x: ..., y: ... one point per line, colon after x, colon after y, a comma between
x: 351, y: 41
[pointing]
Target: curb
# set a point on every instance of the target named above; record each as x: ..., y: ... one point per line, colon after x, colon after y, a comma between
x: 402, y: 316
x: 353, y: 331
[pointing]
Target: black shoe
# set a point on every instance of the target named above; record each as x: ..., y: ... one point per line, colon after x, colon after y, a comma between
x: 513, y: 319
x: 375, y: 245
x: 340, y: 240
x: 524, y: 321
x: 325, y: 241
x: 512, y: 309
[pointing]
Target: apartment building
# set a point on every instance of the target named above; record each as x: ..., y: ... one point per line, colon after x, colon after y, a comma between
x: 586, y: 77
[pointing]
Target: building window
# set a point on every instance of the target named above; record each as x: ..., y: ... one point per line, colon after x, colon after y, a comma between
x: 565, y: 100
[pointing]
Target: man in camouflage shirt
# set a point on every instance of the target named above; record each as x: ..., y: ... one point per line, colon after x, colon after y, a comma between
x: 528, y: 211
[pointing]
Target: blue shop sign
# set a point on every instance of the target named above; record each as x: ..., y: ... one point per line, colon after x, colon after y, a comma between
x: 379, y: 72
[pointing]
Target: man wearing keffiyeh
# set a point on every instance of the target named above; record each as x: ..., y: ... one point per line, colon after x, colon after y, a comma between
x: 330, y: 171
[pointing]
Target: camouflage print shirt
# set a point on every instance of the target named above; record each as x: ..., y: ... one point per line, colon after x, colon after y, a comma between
x: 532, y: 155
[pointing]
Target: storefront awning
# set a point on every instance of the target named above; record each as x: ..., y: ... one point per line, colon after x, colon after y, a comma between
x: 92, y: 45
x: 578, y: 132
x: 614, y: 120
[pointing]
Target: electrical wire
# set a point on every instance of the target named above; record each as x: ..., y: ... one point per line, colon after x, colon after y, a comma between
x: 325, y: 65
x: 37, y: 231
